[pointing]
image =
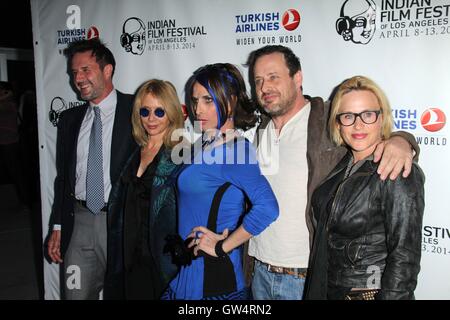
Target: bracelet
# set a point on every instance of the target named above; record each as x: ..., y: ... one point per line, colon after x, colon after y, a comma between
x: 219, y: 250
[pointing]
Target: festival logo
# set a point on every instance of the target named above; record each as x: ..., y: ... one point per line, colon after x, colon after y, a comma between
x: 133, y: 36
x: 436, y: 239
x: 57, y: 106
x: 139, y: 36
x: 357, y: 21
x: 408, y: 19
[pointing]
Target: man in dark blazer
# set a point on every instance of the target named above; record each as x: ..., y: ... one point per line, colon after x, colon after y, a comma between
x: 79, y: 231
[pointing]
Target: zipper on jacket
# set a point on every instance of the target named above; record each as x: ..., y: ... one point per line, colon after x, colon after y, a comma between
x: 336, y: 194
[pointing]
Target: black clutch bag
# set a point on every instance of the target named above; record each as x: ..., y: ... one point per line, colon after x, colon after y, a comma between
x: 178, y: 249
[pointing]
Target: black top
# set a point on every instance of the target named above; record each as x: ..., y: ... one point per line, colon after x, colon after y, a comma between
x: 142, y: 280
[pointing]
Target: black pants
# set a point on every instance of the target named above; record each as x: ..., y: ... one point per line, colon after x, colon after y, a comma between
x: 337, y: 293
x: 142, y: 280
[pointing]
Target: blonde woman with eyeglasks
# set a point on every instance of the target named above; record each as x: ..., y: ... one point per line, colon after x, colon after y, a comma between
x: 367, y: 243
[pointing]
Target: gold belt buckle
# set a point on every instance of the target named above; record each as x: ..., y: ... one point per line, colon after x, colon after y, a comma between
x: 362, y: 295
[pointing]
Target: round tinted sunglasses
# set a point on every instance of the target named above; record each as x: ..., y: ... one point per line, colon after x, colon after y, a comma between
x: 158, y: 112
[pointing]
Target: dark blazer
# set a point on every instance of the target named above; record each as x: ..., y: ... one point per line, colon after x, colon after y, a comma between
x: 66, y: 155
x: 162, y: 222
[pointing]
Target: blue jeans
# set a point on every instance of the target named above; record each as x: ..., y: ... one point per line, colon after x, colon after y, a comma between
x: 275, y: 286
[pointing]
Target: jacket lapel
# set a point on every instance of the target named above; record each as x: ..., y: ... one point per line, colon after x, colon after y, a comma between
x: 121, y: 134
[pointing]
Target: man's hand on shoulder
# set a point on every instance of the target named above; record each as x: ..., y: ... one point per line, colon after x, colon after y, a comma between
x: 396, y: 155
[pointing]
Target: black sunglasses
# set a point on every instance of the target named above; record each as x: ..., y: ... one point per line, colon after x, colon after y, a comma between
x: 158, y: 112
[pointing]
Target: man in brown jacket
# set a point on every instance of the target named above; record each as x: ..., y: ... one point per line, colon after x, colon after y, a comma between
x: 295, y: 153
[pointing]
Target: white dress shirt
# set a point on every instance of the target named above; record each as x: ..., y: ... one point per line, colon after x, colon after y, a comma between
x: 107, y: 111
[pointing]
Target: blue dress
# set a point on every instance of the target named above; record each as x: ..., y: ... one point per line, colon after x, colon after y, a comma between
x: 233, y: 162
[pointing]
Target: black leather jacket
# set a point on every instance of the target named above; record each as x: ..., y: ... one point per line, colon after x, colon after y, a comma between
x: 368, y: 233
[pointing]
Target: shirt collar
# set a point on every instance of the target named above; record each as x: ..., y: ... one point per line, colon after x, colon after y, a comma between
x: 353, y: 167
x: 108, y: 105
x: 303, y: 112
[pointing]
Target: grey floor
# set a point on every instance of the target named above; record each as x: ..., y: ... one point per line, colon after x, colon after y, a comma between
x: 20, y: 256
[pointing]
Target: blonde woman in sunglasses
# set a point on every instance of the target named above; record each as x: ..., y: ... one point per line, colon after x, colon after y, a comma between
x: 144, y: 201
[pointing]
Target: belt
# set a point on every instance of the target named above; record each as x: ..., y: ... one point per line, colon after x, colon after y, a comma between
x: 299, y: 272
x: 367, y: 294
x: 83, y: 203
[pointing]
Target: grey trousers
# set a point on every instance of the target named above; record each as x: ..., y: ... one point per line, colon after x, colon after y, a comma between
x: 85, y: 259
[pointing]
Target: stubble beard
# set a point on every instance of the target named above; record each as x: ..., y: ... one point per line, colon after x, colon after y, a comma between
x: 94, y: 94
x: 281, y: 108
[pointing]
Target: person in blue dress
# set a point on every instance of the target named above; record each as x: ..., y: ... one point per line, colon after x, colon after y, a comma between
x: 223, y: 198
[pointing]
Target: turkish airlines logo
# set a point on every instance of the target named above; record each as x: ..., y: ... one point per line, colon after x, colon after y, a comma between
x: 433, y: 119
x: 291, y: 19
x: 92, y: 33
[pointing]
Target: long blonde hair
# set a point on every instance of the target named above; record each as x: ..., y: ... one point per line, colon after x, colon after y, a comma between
x: 166, y: 93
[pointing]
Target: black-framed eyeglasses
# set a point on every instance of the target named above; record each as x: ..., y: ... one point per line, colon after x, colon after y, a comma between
x: 158, y: 112
x: 349, y: 118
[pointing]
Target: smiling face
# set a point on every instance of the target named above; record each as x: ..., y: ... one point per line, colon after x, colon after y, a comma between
x: 93, y: 83
x: 154, y: 126
x: 204, y: 107
x: 362, y: 138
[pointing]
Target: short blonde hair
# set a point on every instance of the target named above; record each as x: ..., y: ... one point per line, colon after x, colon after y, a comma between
x: 359, y: 83
x: 166, y: 93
